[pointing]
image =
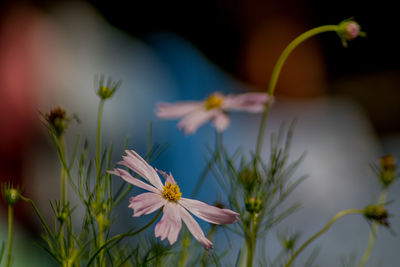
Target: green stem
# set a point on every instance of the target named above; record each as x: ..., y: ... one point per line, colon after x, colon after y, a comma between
x: 250, y: 252
x: 185, y: 244
x: 98, y: 140
x: 63, y: 176
x: 10, y: 233
x: 101, y: 239
x: 337, y: 216
x: 119, y: 237
x: 277, y: 70
x: 210, y: 237
x: 210, y: 163
x: 251, y: 239
x: 46, y: 227
x: 372, y: 233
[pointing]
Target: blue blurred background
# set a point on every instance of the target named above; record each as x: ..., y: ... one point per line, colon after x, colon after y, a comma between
x: 345, y: 100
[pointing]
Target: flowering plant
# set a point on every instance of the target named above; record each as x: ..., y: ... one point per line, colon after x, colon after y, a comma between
x: 255, y: 190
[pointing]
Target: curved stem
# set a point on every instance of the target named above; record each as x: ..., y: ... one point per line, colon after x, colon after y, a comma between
x: 372, y: 234
x: 337, y: 216
x: 10, y: 233
x: 277, y: 69
x: 119, y: 237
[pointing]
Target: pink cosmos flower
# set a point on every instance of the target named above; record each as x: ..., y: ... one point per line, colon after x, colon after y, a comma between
x: 214, y: 108
x: 168, y: 196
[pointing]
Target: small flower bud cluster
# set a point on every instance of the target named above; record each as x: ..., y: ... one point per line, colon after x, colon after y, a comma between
x: 377, y: 213
x: 388, y: 170
x: 11, y: 194
x: 107, y: 90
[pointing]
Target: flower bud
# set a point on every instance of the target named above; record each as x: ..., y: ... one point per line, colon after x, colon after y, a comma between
x: 377, y: 213
x: 288, y: 240
x: 57, y: 120
x: 388, y: 167
x: 349, y: 30
x: 248, y: 178
x: 253, y: 205
x: 10, y: 193
x: 106, y: 91
x: 62, y: 216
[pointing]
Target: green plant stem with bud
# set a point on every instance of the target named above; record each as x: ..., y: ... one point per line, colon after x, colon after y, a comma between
x: 323, y: 230
x: 10, y: 233
x: 277, y: 71
x: 99, y: 195
x: 372, y: 234
x: 251, y: 240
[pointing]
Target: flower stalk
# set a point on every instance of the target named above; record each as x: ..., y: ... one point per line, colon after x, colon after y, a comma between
x: 323, y: 230
x: 11, y: 195
x: 63, y: 177
x: 277, y: 70
x: 10, y: 233
x: 98, y: 141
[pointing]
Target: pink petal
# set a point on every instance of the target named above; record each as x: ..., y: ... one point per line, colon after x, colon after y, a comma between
x: 127, y: 177
x: 195, y: 229
x: 250, y: 102
x: 168, y: 178
x: 176, y: 110
x: 221, y: 121
x: 137, y: 164
x: 146, y: 203
x: 170, y: 223
x: 194, y: 120
x: 209, y: 213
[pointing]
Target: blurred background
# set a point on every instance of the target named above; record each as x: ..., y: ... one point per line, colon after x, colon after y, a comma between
x: 345, y: 100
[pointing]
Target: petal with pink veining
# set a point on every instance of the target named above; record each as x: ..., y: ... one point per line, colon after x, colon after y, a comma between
x: 170, y: 224
x: 127, y: 177
x: 221, y: 121
x: 176, y: 110
x: 209, y: 213
x: 194, y: 228
x: 191, y: 122
x: 250, y: 102
x: 146, y: 203
x: 136, y: 163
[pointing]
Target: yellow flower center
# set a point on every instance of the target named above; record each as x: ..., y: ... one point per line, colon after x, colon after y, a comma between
x: 213, y: 101
x: 171, y: 192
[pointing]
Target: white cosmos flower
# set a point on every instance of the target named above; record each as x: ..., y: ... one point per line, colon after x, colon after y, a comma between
x: 214, y: 108
x: 168, y: 196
